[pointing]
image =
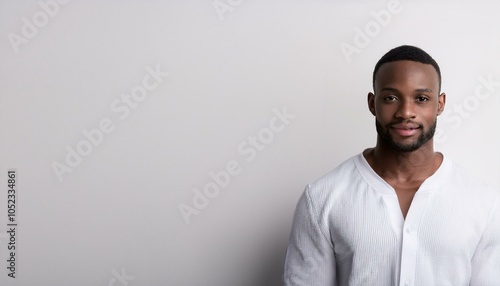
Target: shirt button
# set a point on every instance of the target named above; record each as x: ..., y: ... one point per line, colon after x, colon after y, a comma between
x: 408, y: 283
x: 408, y: 230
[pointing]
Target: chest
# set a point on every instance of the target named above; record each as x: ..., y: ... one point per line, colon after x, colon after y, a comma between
x: 405, y: 193
x: 364, y: 224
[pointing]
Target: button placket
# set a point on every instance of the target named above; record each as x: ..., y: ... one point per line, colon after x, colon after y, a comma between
x: 409, y: 247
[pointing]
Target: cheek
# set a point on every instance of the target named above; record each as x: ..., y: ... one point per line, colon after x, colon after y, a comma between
x: 428, y: 118
x: 385, y: 113
x: 430, y: 114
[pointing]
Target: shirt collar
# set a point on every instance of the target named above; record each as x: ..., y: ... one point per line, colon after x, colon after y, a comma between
x: 379, y: 184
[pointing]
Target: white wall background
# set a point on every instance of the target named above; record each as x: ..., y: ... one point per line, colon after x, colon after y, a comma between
x: 117, y: 211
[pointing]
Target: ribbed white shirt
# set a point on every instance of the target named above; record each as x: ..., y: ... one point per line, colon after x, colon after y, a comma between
x: 348, y: 229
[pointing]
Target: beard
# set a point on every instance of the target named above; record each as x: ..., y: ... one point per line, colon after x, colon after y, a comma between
x: 386, y: 137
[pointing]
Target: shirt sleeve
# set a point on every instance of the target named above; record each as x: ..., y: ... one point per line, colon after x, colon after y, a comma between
x: 310, y: 257
x: 486, y: 260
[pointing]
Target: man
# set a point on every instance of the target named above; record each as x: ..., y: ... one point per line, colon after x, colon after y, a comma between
x: 398, y: 213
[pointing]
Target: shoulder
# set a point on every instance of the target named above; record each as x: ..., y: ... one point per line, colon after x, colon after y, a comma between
x: 334, y: 183
x: 464, y: 179
x: 473, y: 192
x: 339, y: 174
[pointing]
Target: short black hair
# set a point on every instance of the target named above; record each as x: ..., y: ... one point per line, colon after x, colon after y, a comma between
x: 408, y: 53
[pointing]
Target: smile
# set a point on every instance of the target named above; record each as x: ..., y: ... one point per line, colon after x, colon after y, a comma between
x: 405, y: 131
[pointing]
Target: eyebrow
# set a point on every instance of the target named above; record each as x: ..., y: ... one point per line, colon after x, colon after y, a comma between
x: 423, y: 90
x: 389, y: 89
x: 417, y: 90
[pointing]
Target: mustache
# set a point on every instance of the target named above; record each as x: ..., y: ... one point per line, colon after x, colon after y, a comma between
x: 409, y: 122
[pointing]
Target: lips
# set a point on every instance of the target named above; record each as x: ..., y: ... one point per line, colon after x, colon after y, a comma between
x: 405, y: 129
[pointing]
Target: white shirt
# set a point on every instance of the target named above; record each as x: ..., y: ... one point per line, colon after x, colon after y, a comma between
x: 348, y: 229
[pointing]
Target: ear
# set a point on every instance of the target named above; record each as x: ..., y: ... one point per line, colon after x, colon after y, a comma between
x: 441, y: 103
x: 371, y: 102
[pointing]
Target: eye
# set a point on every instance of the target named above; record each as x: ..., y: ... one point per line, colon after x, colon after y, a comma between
x: 390, y: 98
x: 422, y: 99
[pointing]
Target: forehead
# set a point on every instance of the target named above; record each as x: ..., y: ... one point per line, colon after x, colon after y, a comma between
x: 407, y: 74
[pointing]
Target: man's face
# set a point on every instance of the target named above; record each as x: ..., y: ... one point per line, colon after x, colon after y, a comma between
x: 406, y: 104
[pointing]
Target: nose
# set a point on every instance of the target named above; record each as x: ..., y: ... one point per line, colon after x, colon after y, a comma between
x: 406, y: 109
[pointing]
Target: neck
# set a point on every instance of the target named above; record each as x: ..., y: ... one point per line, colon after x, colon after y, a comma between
x: 403, y: 166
